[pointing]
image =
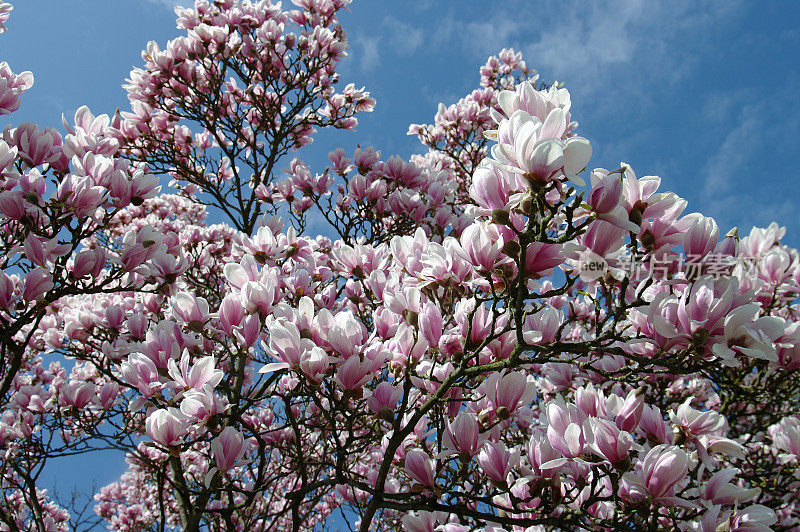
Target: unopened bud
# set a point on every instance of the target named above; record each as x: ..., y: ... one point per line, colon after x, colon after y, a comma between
x: 525, y: 206
x: 648, y: 240
x: 678, y: 436
x: 623, y: 464
x: 387, y: 414
x: 635, y: 216
x: 700, y: 336
x: 501, y: 217
x: 511, y: 248
x: 195, y: 326
x: 411, y: 317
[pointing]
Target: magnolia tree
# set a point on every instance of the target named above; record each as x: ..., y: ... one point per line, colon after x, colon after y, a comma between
x: 490, y: 337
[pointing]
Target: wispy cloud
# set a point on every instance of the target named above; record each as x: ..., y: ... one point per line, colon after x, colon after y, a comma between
x: 392, y: 37
x: 367, y: 52
x: 478, y: 39
x: 727, y: 163
x: 403, y: 39
x: 171, y: 4
x: 744, y: 179
x: 595, y: 46
x: 727, y: 166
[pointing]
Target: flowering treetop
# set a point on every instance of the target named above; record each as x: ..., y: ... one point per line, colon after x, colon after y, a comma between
x: 498, y: 338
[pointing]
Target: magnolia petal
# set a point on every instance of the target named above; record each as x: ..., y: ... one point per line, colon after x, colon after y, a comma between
x: 274, y: 366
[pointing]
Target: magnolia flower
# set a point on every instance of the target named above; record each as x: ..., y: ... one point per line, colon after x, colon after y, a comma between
x: 508, y: 392
x: 287, y: 345
x: 754, y: 518
x: 12, y: 86
x: 228, y: 448
x: 430, y: 322
x: 750, y: 336
x: 384, y: 398
x: 786, y: 435
x: 462, y: 436
x: 314, y: 363
x: 202, y: 405
x: 166, y: 426
x: 483, y: 245
x: 140, y: 371
x: 420, y: 467
x: 76, y: 394
x: 420, y: 521
x: 496, y: 461
x: 719, y: 490
x: 604, y: 439
x: 565, y: 428
x: 346, y: 335
x: 191, y: 309
x: 533, y: 148
x: 202, y: 374
x: 695, y: 422
x: 545, y: 462
x: 656, y: 476
x: 37, y: 283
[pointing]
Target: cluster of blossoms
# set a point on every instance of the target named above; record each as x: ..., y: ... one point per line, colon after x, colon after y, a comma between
x: 438, y: 363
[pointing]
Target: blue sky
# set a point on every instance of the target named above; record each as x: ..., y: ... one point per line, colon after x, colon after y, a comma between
x: 701, y: 93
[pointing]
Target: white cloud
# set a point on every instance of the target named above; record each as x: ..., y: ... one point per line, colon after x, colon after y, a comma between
x: 171, y: 4
x: 744, y: 182
x: 403, y: 38
x: 610, y: 54
x: 477, y: 39
x: 727, y: 163
x: 393, y: 37
x: 366, y: 51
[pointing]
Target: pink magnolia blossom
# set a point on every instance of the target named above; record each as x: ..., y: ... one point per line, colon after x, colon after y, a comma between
x: 76, y: 394
x: 508, y: 392
x: 695, y: 422
x: 496, y: 461
x: 314, y: 363
x: 5, y: 10
x: 12, y: 86
x: 656, y: 475
x: 400, y: 338
x: 786, y: 435
x: 202, y: 373
x: 545, y: 462
x: 166, y: 427
x: 383, y: 400
x: 37, y: 283
x: 565, y: 429
x: 719, y: 490
x: 754, y: 518
x: 606, y: 440
x: 420, y: 467
x: 228, y: 448
x: 463, y: 437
